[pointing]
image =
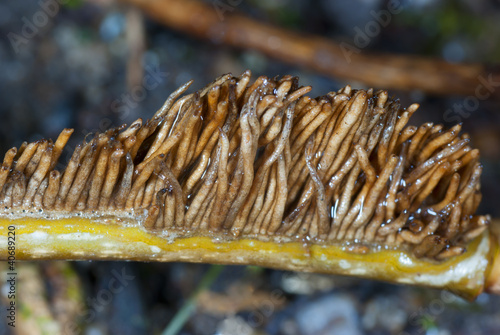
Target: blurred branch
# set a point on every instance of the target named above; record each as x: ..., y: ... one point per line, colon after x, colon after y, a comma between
x: 135, y: 35
x: 223, y: 25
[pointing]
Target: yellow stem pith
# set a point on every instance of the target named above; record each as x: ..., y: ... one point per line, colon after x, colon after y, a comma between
x: 91, y: 239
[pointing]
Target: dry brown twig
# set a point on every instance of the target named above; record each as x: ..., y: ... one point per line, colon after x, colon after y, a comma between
x: 402, y: 72
x: 239, y: 161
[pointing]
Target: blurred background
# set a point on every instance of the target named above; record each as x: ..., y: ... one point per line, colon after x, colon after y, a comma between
x: 91, y: 65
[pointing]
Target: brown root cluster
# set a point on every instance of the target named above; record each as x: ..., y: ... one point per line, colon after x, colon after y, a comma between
x: 264, y: 160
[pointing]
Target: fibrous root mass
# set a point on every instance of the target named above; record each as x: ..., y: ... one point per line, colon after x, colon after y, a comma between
x: 262, y: 159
